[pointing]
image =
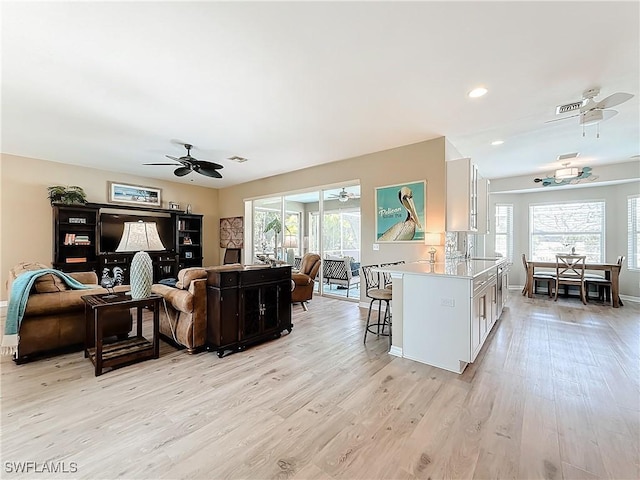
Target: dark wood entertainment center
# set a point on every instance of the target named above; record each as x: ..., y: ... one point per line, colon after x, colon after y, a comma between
x: 78, y: 240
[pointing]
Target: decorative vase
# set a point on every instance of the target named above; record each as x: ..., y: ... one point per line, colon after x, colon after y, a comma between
x: 141, y: 275
x: 188, y: 208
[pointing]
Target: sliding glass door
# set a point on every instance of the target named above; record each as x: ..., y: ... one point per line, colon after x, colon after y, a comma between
x: 324, y: 221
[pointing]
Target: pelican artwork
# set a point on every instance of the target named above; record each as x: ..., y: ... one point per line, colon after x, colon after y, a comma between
x: 407, y: 229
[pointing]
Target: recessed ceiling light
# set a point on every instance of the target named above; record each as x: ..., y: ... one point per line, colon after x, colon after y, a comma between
x: 478, y: 92
x: 497, y: 142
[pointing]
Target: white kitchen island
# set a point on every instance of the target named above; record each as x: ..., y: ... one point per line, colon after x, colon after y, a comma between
x: 446, y: 310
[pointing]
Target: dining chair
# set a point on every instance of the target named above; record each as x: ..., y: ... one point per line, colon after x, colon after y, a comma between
x: 570, y: 271
x: 547, y: 277
x: 231, y: 255
x: 377, y: 293
x: 602, y: 283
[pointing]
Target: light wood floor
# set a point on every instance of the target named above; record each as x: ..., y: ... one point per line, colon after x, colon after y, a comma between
x: 554, y: 394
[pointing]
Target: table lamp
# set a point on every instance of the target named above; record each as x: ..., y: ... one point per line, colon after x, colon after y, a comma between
x: 290, y: 242
x: 433, y: 239
x: 140, y: 237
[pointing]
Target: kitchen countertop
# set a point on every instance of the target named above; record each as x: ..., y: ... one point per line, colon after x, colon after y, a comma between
x: 470, y: 268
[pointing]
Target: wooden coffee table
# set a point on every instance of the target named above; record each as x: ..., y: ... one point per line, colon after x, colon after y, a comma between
x: 130, y: 350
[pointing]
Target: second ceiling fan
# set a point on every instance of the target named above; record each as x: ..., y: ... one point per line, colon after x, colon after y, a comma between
x: 189, y: 164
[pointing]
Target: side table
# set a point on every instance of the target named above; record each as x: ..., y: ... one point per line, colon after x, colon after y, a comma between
x: 130, y: 350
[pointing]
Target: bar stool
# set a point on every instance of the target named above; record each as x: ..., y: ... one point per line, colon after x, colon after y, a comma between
x: 387, y: 281
x: 374, y: 291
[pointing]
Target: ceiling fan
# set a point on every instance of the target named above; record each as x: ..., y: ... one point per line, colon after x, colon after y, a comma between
x: 344, y: 196
x: 189, y: 164
x: 567, y: 176
x: 590, y: 111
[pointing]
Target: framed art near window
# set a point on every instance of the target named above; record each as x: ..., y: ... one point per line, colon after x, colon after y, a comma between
x: 134, y: 194
x: 401, y: 212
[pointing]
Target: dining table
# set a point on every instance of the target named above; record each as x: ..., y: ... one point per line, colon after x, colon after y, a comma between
x: 611, y: 272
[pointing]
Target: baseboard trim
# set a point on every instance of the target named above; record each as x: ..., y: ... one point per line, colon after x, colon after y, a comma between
x: 629, y: 298
x: 3, y: 303
x: 395, y: 351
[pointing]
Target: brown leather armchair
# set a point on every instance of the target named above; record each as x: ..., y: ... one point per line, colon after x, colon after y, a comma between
x: 304, y: 279
x: 183, y: 315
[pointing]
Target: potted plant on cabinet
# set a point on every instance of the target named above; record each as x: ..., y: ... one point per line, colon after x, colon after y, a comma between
x: 71, y: 195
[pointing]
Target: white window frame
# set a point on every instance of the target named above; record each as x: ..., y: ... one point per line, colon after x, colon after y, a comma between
x: 571, y: 207
x: 508, y: 212
x: 633, y: 237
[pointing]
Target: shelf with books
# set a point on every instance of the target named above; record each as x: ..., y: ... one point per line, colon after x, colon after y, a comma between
x: 189, y: 240
x: 75, y: 234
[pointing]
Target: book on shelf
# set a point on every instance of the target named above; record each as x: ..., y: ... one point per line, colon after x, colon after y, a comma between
x: 76, y: 259
x: 82, y: 240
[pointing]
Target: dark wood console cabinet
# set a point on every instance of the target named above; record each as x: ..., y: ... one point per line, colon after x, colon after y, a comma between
x: 247, y: 305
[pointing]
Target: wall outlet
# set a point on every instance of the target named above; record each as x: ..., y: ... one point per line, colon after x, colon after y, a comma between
x: 376, y: 246
x: 447, y: 302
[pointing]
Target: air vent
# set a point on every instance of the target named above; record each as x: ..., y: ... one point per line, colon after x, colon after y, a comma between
x: 569, y: 107
x: 237, y: 159
x: 567, y: 156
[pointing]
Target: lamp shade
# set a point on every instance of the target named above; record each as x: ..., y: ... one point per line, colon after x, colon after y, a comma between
x: 138, y: 237
x: 433, y: 238
x: 290, y: 241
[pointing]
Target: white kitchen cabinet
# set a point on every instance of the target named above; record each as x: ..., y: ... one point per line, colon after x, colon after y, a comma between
x: 484, y: 217
x: 447, y: 314
x: 462, y: 195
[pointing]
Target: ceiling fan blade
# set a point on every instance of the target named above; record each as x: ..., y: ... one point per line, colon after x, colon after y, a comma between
x: 173, y: 158
x: 563, y: 118
x: 613, y: 100
x: 607, y: 114
x: 208, y: 165
x: 160, y: 164
x: 208, y: 172
x: 182, y: 171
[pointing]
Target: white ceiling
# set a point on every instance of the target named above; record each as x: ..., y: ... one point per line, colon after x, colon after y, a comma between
x: 294, y: 84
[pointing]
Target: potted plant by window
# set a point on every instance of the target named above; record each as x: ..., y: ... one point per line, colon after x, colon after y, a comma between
x: 71, y: 195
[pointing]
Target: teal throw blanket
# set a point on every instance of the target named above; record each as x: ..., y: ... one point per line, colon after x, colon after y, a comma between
x: 18, y: 303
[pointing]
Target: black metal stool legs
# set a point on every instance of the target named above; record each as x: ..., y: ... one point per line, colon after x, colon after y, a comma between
x: 380, y: 324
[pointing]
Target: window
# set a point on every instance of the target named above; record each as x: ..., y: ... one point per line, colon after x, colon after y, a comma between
x: 633, y: 209
x: 561, y: 227
x: 341, y: 233
x: 504, y: 230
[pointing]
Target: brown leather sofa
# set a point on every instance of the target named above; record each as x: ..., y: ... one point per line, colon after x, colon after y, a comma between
x: 54, y: 317
x: 183, y: 314
x: 304, y: 279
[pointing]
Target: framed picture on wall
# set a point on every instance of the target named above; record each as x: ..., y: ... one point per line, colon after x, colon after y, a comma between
x: 134, y: 194
x: 401, y: 212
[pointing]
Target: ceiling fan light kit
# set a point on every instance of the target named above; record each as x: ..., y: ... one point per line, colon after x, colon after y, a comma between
x: 567, y: 176
x: 591, y: 112
x: 567, y: 172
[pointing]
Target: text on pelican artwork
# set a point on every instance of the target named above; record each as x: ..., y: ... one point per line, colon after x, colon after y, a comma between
x: 390, y: 212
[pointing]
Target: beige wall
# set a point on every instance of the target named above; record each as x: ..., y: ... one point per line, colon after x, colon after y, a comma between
x: 420, y: 161
x: 26, y: 220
